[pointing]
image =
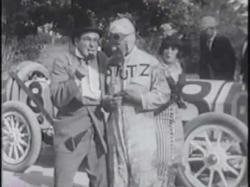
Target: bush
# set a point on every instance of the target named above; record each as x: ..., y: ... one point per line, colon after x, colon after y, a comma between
x: 28, y: 48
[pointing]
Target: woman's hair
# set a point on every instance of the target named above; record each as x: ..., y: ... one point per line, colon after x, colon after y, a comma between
x: 171, y: 41
x: 175, y: 42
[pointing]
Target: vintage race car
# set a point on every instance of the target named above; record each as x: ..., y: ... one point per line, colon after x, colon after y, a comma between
x: 215, y: 124
x: 216, y: 133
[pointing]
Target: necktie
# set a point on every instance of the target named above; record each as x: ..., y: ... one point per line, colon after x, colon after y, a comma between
x: 244, y: 48
x: 209, y: 43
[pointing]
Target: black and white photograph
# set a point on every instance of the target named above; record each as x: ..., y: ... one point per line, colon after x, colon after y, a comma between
x: 124, y: 93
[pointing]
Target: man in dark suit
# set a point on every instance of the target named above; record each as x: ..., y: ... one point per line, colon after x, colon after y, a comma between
x: 217, y: 56
x: 77, y: 84
x: 244, y: 63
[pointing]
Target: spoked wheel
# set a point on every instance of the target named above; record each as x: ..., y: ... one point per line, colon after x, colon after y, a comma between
x: 21, y: 136
x: 215, y: 152
x: 16, y: 137
x: 37, y: 78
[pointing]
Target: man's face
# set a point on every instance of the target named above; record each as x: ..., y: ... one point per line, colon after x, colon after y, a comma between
x: 209, y: 31
x: 119, y: 41
x: 88, y: 44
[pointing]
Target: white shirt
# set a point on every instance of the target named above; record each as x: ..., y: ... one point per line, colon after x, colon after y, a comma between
x: 211, y: 40
x: 90, y: 84
x: 173, y: 70
x: 244, y: 48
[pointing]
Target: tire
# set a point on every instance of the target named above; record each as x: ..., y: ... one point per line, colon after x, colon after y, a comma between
x: 216, y: 156
x: 24, y: 70
x: 10, y: 81
x: 26, y: 135
x: 15, y: 93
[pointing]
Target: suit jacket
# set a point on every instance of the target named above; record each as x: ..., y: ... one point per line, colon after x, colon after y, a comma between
x: 66, y: 96
x: 244, y: 65
x: 219, y: 62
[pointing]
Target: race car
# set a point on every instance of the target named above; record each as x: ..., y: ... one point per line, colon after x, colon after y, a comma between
x: 215, y: 124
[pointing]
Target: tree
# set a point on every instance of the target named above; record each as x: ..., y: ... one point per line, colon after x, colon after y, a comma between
x: 20, y: 20
x: 22, y: 17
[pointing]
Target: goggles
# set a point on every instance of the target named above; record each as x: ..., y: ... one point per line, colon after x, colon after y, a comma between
x: 119, y: 36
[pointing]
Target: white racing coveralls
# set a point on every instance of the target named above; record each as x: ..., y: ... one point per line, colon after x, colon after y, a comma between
x: 131, y: 128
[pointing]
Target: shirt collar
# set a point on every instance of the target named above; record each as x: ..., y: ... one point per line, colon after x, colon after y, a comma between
x: 80, y: 56
x: 213, y: 36
x: 131, y: 53
x: 244, y: 48
x: 172, y: 65
x: 78, y: 53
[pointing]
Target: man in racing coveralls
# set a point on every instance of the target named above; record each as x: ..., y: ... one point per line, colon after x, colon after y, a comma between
x: 138, y: 82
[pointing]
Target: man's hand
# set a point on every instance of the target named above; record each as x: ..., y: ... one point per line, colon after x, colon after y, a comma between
x: 116, y: 58
x: 110, y: 102
x: 131, y: 96
x: 81, y: 72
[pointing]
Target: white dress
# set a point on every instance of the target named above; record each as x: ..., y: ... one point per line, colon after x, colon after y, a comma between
x: 170, y: 134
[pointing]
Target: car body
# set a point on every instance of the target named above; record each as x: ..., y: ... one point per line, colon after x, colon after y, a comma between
x: 215, y: 96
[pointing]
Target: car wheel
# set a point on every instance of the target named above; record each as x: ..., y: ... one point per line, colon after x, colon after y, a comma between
x: 21, y: 136
x: 215, y: 151
x: 35, y: 76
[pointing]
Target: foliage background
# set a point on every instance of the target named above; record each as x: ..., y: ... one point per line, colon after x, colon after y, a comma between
x: 31, y: 28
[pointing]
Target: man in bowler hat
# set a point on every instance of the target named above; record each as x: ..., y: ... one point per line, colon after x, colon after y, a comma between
x: 76, y: 88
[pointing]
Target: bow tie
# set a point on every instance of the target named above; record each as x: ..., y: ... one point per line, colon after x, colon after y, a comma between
x: 83, y: 61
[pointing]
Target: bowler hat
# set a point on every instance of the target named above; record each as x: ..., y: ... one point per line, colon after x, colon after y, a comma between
x: 87, y: 26
x: 81, y: 22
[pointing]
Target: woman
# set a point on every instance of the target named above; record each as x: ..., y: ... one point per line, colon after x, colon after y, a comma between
x: 170, y: 135
x: 171, y: 52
